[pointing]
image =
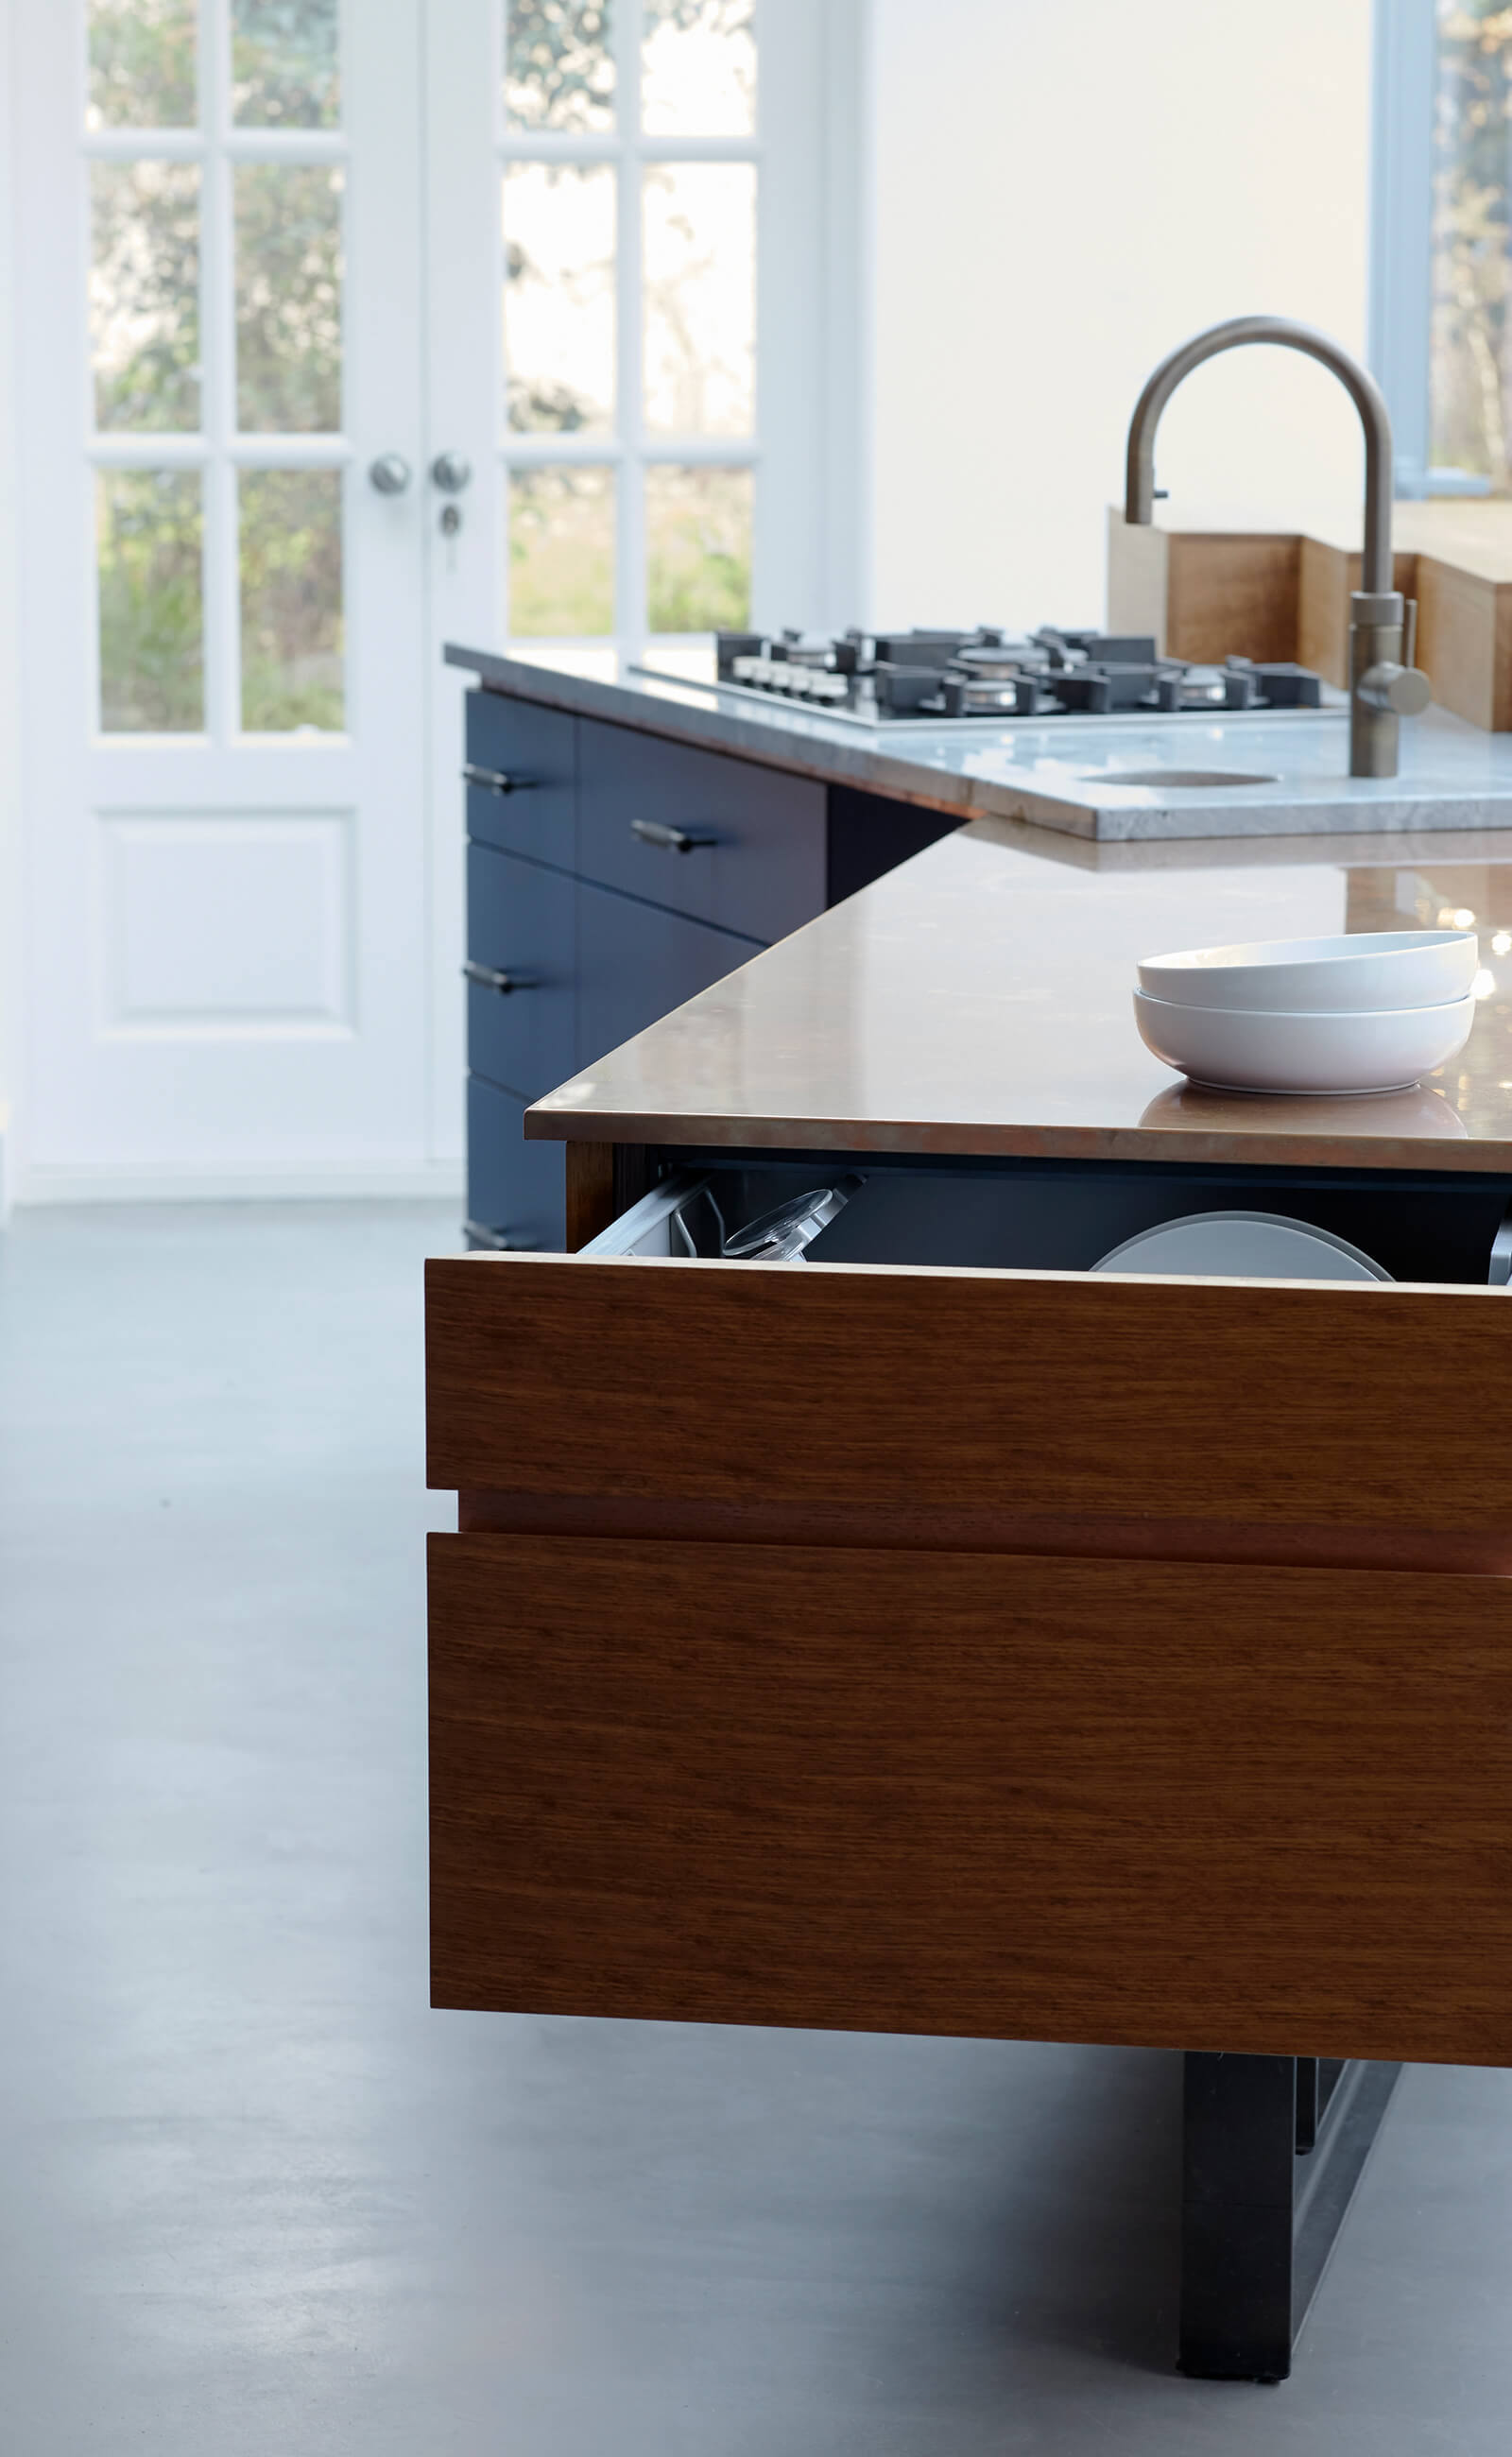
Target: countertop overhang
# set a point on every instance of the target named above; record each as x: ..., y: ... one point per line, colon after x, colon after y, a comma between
x: 978, y: 1001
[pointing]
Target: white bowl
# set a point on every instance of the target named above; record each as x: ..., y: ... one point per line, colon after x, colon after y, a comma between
x: 1241, y: 1245
x: 1366, y: 972
x: 1261, y: 1051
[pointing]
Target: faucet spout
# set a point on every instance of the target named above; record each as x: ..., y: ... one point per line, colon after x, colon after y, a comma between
x: 1379, y: 632
x: 1376, y: 575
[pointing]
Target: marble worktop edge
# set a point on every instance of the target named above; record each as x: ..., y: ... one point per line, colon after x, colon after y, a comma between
x: 713, y: 727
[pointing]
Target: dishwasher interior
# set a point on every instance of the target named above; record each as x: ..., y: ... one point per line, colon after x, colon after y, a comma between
x: 1033, y: 1216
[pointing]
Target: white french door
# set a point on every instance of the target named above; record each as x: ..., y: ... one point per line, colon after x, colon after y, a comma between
x: 347, y: 328
x: 225, y: 643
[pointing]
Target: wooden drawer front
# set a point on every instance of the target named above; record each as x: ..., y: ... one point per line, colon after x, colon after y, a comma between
x: 521, y: 923
x: 1157, y: 1405
x: 515, y: 1188
x: 763, y: 872
x: 535, y: 748
x: 636, y: 963
x: 1258, y: 1810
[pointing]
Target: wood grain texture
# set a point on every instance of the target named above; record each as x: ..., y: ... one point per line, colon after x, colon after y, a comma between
x: 1263, y: 1811
x: 1326, y: 574
x: 1043, y: 1394
x: 1232, y: 596
x: 936, y: 1527
x: 590, y: 1206
x: 1464, y: 629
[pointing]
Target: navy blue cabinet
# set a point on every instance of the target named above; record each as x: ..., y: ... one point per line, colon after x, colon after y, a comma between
x: 522, y: 779
x: 718, y: 838
x: 612, y: 874
x: 516, y: 1191
x: 636, y: 963
x: 522, y: 972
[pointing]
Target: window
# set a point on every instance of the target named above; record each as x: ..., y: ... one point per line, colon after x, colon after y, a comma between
x: 1470, y: 349
x: 1442, y: 286
x: 216, y: 168
x: 652, y: 376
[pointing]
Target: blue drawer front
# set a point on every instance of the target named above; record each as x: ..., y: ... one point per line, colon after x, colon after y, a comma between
x: 535, y: 748
x: 635, y: 962
x: 515, y: 1190
x: 521, y: 921
x: 763, y: 872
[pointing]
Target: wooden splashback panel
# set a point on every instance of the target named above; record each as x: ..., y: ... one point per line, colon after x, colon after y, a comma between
x: 1207, y: 595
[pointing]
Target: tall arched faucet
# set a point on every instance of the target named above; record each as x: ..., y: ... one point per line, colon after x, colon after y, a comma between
x: 1383, y: 684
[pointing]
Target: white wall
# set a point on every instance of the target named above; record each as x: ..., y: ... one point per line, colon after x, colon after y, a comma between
x: 10, y: 949
x: 1061, y: 191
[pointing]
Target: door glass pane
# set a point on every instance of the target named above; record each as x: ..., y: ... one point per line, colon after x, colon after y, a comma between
x: 152, y: 632
x: 292, y: 626
x: 144, y: 295
x: 1471, y: 369
x: 289, y: 272
x: 697, y: 549
x: 560, y: 552
x: 559, y: 297
x: 700, y: 297
x: 698, y: 68
x: 284, y: 63
x: 559, y: 63
x: 141, y: 63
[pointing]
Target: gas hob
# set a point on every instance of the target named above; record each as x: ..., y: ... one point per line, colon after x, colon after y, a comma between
x: 989, y: 675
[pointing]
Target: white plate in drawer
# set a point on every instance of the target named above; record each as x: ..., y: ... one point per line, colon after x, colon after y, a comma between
x: 1240, y: 1246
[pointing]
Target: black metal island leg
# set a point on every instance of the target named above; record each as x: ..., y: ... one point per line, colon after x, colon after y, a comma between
x: 1273, y: 2148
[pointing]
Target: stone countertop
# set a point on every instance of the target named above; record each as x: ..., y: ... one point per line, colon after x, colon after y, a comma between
x: 978, y: 1000
x: 1066, y: 775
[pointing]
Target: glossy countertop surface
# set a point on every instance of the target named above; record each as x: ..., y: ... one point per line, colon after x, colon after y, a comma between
x: 1067, y: 774
x: 979, y: 1000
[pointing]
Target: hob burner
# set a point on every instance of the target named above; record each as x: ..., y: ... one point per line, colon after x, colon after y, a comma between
x: 935, y: 678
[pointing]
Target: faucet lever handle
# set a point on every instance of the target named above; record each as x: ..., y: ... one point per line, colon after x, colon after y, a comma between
x: 1396, y: 691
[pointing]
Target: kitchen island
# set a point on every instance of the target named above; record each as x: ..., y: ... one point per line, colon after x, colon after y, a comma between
x: 634, y: 839
x: 942, y: 1636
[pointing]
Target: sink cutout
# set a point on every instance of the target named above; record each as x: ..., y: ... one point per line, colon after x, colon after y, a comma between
x: 1179, y: 780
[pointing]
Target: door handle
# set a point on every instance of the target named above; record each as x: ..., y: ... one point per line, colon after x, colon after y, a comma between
x: 488, y: 977
x: 389, y: 473
x: 495, y: 780
x: 451, y: 472
x: 654, y: 832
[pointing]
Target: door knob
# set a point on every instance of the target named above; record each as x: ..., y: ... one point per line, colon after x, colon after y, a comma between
x: 389, y: 473
x: 450, y: 471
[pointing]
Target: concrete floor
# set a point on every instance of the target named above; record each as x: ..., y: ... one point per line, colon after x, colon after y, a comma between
x: 259, y: 2201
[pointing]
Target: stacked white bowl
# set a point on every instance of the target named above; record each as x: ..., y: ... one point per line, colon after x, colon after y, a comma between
x: 1369, y: 1012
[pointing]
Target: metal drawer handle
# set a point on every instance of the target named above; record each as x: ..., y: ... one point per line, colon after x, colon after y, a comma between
x: 497, y: 1241
x: 652, y: 832
x: 487, y: 978
x: 493, y: 780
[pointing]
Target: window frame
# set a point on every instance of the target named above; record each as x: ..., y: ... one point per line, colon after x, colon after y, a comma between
x: 218, y: 449
x: 806, y: 449
x: 1404, y: 89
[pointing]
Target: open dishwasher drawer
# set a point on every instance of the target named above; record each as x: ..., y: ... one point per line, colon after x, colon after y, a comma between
x: 887, y: 1644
